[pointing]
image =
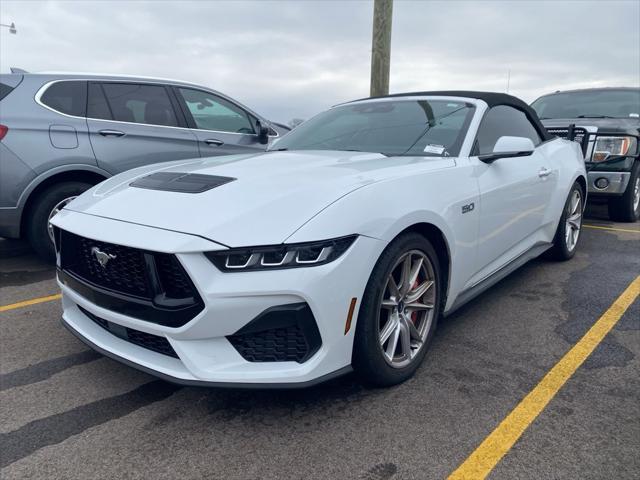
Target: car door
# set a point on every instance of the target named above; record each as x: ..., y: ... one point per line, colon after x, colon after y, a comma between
x: 221, y: 126
x: 133, y: 124
x: 514, y: 192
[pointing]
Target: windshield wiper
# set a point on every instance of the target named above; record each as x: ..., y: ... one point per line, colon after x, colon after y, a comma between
x: 363, y: 151
x: 594, y: 116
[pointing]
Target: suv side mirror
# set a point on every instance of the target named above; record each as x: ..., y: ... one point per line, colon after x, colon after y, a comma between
x: 507, y: 147
x: 263, y: 133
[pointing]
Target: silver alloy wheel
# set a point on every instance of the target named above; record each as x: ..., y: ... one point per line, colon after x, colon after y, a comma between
x: 636, y: 194
x: 59, y: 206
x: 574, y: 220
x: 406, y: 308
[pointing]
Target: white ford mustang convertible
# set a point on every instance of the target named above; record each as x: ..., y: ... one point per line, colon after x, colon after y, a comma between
x: 337, y: 249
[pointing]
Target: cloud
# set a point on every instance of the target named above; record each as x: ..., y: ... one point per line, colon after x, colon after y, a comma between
x: 290, y: 59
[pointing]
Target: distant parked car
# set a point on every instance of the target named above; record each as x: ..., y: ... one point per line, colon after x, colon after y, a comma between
x: 60, y: 134
x: 607, y: 125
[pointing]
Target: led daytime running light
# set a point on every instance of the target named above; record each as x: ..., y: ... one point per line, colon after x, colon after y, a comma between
x: 280, y: 256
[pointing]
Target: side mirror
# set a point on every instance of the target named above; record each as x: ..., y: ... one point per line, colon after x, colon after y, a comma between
x: 507, y: 147
x: 263, y: 133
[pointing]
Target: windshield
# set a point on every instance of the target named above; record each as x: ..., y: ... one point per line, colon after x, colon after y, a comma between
x: 590, y: 104
x: 402, y: 127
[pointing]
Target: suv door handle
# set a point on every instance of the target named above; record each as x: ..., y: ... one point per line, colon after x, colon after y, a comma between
x: 214, y: 141
x: 111, y: 133
x: 544, y: 172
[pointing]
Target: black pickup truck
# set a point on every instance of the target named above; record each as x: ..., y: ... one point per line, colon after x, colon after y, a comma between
x: 606, y: 122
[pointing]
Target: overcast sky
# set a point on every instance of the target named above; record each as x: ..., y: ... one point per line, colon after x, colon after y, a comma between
x: 293, y: 58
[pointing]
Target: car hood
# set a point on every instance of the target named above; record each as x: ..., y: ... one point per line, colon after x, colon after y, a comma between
x: 271, y: 196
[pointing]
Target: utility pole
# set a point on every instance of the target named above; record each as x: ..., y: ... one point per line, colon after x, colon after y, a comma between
x: 381, y: 47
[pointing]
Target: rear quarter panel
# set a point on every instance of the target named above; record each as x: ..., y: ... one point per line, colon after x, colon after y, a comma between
x: 31, y: 125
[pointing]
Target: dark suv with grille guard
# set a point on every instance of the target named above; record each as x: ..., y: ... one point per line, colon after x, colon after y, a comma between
x: 60, y: 134
x: 606, y: 122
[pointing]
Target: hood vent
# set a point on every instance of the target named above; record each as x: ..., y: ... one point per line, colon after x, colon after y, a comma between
x: 180, y: 182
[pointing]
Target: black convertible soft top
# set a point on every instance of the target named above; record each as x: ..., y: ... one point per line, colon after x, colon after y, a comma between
x: 490, y: 98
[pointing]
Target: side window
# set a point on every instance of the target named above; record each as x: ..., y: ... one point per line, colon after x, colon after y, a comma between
x: 5, y: 90
x: 132, y: 102
x: 503, y: 121
x: 210, y: 112
x: 66, y: 97
x: 97, y: 106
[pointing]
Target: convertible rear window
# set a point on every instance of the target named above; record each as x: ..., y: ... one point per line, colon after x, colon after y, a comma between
x: 390, y: 127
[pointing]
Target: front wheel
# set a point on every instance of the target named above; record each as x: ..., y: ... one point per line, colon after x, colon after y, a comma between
x: 398, y: 313
x: 627, y: 207
x: 568, y: 232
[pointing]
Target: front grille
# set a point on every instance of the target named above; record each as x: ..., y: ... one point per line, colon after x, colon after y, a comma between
x: 173, y: 278
x: 275, y: 345
x: 142, y: 339
x: 146, y: 285
x: 124, y: 273
x: 127, y: 270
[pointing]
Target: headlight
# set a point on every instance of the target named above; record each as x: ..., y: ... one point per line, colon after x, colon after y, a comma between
x: 606, y: 147
x: 290, y: 255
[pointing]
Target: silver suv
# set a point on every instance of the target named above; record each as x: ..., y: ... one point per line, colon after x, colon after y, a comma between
x: 61, y: 134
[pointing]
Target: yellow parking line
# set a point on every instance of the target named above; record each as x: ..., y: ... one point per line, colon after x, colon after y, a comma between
x: 613, y: 229
x: 33, y: 301
x: 480, y: 463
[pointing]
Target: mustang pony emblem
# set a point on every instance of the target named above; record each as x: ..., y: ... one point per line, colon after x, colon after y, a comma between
x: 102, y: 257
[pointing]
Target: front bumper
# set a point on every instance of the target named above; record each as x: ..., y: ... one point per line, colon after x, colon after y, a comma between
x: 616, y: 182
x: 205, y: 355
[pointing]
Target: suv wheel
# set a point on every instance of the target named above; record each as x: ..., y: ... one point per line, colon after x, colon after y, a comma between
x: 627, y: 207
x: 44, y: 207
x: 398, y: 313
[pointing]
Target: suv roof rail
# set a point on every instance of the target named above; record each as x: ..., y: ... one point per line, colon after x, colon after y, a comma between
x: 18, y: 70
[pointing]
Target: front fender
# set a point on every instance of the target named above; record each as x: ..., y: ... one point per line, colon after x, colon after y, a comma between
x: 385, y: 209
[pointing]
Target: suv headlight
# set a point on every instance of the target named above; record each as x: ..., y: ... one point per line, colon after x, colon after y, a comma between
x: 607, y: 147
x: 290, y: 255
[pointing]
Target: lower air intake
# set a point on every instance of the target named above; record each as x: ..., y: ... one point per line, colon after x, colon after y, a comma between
x: 146, y: 340
x: 276, y: 345
x: 285, y: 333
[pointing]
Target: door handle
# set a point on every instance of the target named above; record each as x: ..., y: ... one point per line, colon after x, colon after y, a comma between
x: 214, y: 141
x: 111, y: 133
x: 544, y: 172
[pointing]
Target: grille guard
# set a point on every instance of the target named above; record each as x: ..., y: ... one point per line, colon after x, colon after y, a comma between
x: 588, y: 137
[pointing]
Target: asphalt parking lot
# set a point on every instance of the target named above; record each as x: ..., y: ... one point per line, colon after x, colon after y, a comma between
x: 68, y: 412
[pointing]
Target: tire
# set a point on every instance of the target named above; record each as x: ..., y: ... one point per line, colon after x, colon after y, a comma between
x: 37, y: 220
x: 627, y: 207
x: 369, y: 360
x: 565, y: 245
